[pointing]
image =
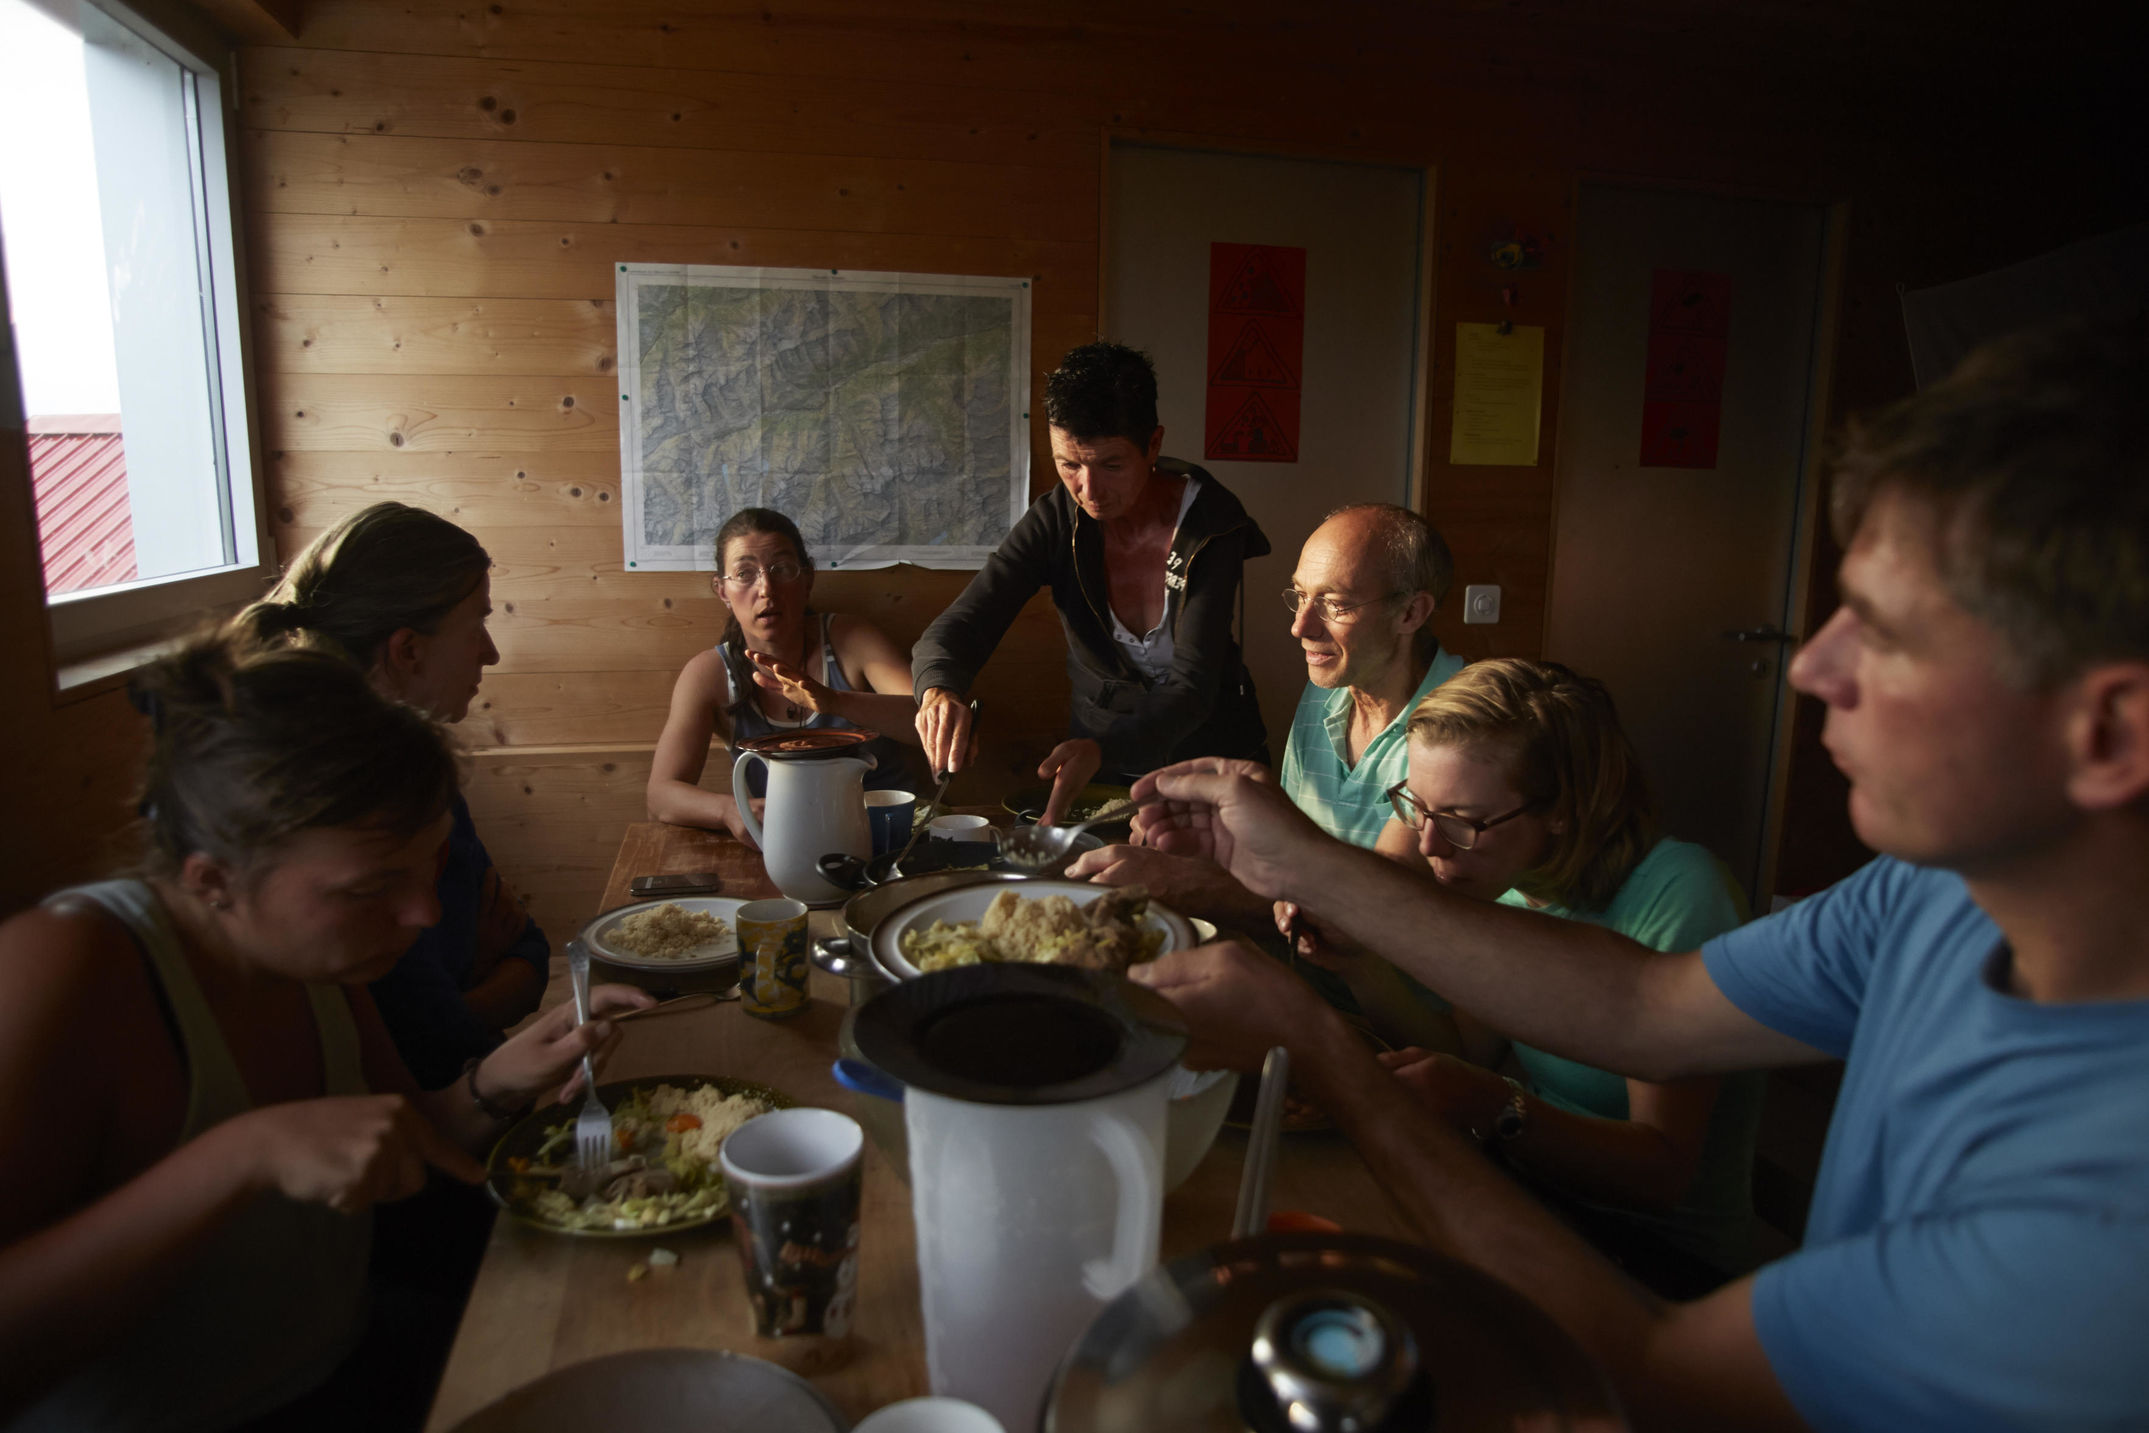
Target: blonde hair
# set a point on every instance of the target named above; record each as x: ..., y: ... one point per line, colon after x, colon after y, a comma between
x: 378, y: 571
x: 1564, y: 750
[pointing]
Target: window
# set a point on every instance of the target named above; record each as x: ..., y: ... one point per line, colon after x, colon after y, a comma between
x: 122, y: 293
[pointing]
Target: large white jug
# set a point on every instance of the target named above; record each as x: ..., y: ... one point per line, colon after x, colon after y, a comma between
x: 816, y: 807
x: 1034, y: 1110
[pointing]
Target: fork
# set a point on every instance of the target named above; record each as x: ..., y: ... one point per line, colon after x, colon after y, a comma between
x: 593, y: 1124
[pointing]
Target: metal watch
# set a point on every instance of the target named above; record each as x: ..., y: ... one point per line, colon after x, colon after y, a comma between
x: 1514, y: 1116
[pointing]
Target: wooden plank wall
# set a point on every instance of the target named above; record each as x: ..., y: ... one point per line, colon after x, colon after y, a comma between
x: 437, y: 194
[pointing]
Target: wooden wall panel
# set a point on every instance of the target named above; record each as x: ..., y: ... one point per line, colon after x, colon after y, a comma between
x: 444, y: 97
x: 438, y: 195
x: 494, y: 258
x: 391, y: 176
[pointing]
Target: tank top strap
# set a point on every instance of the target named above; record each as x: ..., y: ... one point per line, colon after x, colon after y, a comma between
x: 343, y: 1066
x: 215, y: 1092
x: 831, y: 669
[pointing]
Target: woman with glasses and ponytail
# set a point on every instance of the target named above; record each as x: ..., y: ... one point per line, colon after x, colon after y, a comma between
x: 780, y: 666
x: 1524, y: 789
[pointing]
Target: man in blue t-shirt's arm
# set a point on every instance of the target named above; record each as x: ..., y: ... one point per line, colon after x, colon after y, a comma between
x: 1977, y: 1247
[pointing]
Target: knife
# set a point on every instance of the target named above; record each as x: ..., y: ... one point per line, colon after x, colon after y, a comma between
x: 895, y: 866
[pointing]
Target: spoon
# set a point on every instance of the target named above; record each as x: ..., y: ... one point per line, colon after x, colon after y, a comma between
x: 1032, y: 847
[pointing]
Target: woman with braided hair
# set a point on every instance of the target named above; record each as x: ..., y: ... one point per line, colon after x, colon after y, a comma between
x: 199, y: 1105
x: 403, y: 595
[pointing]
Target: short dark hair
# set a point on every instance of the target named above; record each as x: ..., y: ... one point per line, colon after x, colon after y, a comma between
x: 1103, y: 390
x: 2031, y: 460
x: 250, y: 747
x: 1414, y: 557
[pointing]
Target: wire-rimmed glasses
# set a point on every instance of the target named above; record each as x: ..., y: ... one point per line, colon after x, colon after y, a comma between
x: 1458, y: 831
x: 1327, y: 608
x: 746, y: 574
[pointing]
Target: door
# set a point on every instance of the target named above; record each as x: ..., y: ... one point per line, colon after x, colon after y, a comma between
x: 1673, y: 583
x: 1359, y: 225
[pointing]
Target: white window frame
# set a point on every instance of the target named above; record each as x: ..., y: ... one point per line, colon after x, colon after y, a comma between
x: 106, y: 621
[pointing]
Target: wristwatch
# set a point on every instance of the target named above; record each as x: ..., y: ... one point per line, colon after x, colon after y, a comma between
x: 1514, y: 1116
x: 492, y: 1109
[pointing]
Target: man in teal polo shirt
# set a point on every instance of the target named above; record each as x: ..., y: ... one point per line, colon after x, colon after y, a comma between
x: 1362, y: 601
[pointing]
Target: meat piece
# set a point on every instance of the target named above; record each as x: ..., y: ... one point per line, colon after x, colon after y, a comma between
x: 642, y: 1183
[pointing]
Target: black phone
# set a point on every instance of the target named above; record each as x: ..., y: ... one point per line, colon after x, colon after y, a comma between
x: 685, y: 883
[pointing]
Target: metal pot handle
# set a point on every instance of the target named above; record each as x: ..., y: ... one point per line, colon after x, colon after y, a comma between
x: 836, y: 956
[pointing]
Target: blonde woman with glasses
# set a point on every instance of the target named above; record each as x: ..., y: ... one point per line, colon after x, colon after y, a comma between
x: 779, y: 666
x: 1523, y: 789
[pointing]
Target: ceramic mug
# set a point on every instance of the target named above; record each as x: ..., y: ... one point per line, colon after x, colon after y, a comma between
x: 794, y: 1182
x: 890, y: 814
x: 772, y: 957
x: 962, y: 828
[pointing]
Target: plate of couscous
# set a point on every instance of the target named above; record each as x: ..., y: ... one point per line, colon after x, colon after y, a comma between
x: 685, y: 933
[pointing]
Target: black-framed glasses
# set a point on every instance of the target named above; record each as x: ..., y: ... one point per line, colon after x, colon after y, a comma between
x: 746, y: 574
x: 1458, y: 831
x: 1328, y: 609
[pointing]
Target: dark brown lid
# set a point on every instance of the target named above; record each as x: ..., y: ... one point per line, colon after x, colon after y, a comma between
x: 812, y: 741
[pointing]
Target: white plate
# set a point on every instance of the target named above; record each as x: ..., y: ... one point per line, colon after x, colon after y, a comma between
x: 968, y: 903
x: 724, y: 908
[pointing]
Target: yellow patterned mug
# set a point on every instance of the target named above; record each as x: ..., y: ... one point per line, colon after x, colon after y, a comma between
x: 772, y: 957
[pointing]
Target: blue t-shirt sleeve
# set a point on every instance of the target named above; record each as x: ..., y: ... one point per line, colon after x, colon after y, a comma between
x: 1803, y: 971
x: 2007, y: 1318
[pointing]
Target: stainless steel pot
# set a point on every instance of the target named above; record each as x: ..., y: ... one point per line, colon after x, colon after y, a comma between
x: 850, y: 954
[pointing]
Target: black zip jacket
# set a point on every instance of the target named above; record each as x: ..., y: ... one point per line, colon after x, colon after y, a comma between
x: 1205, y: 707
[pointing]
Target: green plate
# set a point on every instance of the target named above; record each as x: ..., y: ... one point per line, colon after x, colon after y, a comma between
x: 1092, y: 797
x: 525, y: 1136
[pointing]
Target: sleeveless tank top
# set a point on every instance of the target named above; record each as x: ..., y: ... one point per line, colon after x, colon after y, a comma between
x: 272, y: 1300
x: 891, y: 765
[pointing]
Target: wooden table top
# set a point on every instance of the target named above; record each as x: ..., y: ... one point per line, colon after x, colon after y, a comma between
x: 543, y: 1301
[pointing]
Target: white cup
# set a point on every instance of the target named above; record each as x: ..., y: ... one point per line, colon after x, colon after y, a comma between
x: 930, y: 1415
x: 960, y: 828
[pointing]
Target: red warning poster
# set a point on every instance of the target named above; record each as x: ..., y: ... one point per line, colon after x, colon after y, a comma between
x: 1683, y: 394
x: 1257, y: 338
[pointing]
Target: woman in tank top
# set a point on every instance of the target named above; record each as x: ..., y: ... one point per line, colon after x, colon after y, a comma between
x: 780, y: 665
x: 198, y: 1101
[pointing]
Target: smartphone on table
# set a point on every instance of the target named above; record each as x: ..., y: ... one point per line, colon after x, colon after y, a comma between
x: 684, y: 883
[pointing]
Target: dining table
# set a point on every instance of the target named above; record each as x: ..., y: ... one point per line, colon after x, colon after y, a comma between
x: 543, y: 1301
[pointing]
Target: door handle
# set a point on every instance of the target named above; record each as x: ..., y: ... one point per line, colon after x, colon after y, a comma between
x: 1759, y: 634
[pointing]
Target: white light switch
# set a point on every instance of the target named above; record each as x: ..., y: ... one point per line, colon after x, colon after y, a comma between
x: 1481, y: 604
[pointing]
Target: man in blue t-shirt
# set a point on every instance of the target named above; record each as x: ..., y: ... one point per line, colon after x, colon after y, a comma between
x: 1977, y: 1248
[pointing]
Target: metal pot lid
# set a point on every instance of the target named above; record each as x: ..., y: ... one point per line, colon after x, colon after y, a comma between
x: 660, y: 1390
x: 807, y: 744
x: 1020, y: 1034
x: 1361, y: 1333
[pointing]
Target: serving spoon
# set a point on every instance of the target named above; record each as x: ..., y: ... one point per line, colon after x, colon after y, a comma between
x: 1035, y: 847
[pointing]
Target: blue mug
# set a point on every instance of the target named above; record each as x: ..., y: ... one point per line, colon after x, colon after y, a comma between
x: 890, y: 814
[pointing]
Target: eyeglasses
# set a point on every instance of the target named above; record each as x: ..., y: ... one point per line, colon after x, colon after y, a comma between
x: 1458, y: 831
x: 746, y: 574
x: 1328, y: 609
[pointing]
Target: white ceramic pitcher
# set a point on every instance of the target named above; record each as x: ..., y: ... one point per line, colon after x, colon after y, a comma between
x: 1030, y: 1220
x: 1034, y: 1109
x: 815, y: 808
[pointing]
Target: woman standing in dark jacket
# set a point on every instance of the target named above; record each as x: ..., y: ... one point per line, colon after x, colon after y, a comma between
x: 1143, y: 555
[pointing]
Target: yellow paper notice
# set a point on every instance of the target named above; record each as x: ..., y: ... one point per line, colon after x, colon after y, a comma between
x: 1499, y: 394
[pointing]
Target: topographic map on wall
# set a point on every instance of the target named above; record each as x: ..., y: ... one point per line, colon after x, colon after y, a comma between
x: 885, y: 413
